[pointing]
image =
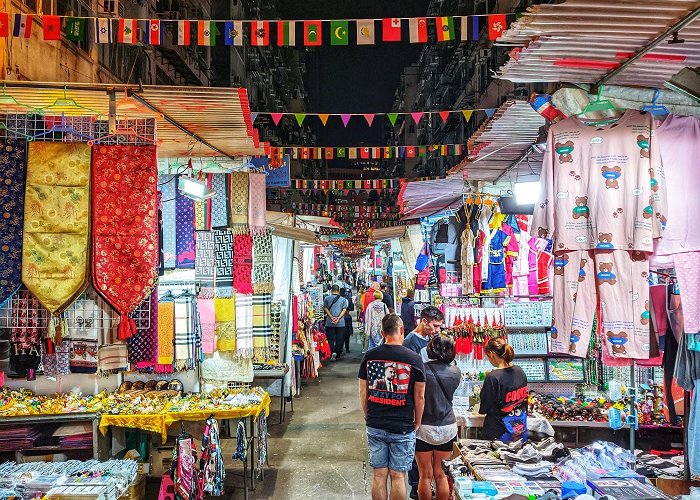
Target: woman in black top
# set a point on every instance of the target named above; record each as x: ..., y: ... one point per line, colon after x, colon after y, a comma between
x: 504, y: 395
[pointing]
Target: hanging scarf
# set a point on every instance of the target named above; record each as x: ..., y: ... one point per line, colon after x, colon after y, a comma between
x: 143, y: 347
x: 262, y: 325
x: 225, y: 317
x: 207, y: 319
x: 12, y: 162
x: 184, y: 231
x: 84, y: 334
x: 28, y: 321
x: 56, y: 359
x: 262, y: 443
x: 241, y: 452
x: 167, y: 184
x: 124, y: 228
x: 219, y: 203
x: 212, y: 468
x: 257, y: 203
x: 243, y: 263
x: 244, y: 325
x: 186, y: 456
x: 56, y: 222
x: 205, y: 263
x: 185, y: 336
x: 166, y: 334
x: 112, y: 359
x: 223, y: 239
x: 262, y: 263
x: 200, y: 215
x: 238, y: 221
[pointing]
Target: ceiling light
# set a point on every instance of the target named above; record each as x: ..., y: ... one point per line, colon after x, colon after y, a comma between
x: 194, y: 189
x: 527, y: 192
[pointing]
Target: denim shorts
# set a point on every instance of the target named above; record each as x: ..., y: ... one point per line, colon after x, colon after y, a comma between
x: 394, y: 451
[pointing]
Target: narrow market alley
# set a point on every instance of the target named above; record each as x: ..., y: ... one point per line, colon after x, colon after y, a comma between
x: 320, y: 452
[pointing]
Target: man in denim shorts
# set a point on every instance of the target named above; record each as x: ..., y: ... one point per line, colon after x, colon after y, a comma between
x: 392, y: 394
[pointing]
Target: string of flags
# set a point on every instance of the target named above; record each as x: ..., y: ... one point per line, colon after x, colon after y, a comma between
x: 366, y: 153
x: 417, y: 116
x: 261, y: 32
x: 326, y: 184
x: 347, y: 209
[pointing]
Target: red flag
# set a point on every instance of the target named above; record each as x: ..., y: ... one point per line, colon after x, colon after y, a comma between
x: 497, y: 25
x: 364, y: 153
x: 52, y: 27
x: 328, y: 153
x: 155, y: 32
x: 4, y: 24
x: 260, y: 33
x: 410, y: 152
x: 445, y: 115
x: 312, y: 33
x: 391, y: 29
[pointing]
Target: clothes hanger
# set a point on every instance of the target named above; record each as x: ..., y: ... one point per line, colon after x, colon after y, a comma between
x: 9, y: 101
x: 600, y: 105
x: 128, y: 132
x: 28, y: 138
x: 63, y: 128
x: 67, y: 102
x: 656, y: 109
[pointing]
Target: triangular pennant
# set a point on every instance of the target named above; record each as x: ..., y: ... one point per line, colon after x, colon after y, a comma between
x: 445, y: 115
x: 300, y: 118
x: 490, y: 111
x: 253, y: 116
x: 392, y: 118
x: 467, y: 114
x: 276, y: 117
x: 417, y: 115
x: 346, y: 119
x: 323, y: 118
x: 369, y: 117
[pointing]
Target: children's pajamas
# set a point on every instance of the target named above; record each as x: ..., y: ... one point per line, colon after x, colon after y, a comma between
x: 614, y: 283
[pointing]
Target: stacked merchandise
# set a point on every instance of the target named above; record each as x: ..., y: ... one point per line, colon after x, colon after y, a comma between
x: 19, y: 437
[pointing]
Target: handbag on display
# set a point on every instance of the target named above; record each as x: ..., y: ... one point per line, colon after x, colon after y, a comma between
x: 423, y: 258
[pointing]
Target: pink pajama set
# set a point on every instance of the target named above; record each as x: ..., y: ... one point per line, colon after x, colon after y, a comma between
x: 603, y: 204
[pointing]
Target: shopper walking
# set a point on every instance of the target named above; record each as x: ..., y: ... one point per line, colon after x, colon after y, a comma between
x: 373, y: 321
x: 392, y: 395
x: 408, y: 311
x: 369, y: 296
x: 504, y: 395
x: 360, y: 303
x: 388, y: 297
x: 335, y: 306
x: 348, y: 320
x: 438, y: 430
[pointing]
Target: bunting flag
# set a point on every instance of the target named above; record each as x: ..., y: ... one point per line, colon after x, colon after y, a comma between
x: 345, y: 118
x: 497, y: 25
x: 348, y: 184
x: 103, y: 30
x: 233, y: 34
x: 127, y: 31
x: 323, y: 118
x: 4, y: 24
x: 467, y: 114
x: 392, y: 118
x: 73, y: 28
x: 183, y: 32
x: 276, y: 117
x: 391, y: 29
x: 418, y: 30
x: 260, y: 33
x: 445, y: 29
x: 365, y: 31
x: 52, y: 27
x: 370, y: 152
x: 473, y: 28
x: 300, y: 118
x: 286, y: 34
x: 444, y: 115
x: 155, y: 32
x: 369, y: 117
x: 23, y: 26
x: 206, y: 33
x: 417, y: 116
x: 313, y: 36
x: 339, y: 33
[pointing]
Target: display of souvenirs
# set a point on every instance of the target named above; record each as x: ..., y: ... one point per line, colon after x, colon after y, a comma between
x: 528, y: 314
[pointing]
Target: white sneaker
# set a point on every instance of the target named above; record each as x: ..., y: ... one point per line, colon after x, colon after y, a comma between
x: 334, y: 356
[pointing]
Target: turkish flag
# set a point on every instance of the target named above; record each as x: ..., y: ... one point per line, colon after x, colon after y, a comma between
x: 52, y: 27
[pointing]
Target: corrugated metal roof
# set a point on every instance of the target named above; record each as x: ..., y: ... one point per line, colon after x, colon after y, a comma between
x: 501, y: 142
x: 388, y: 233
x: 424, y: 198
x: 583, y: 40
x: 219, y: 118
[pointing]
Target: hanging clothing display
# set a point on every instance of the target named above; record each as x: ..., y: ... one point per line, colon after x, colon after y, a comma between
x: 56, y: 222
x: 243, y: 263
x: 167, y: 185
x: 219, y: 203
x: 223, y: 239
x: 25, y: 334
x: 13, y: 155
x: 184, y: 231
x: 205, y: 262
x: 257, y: 202
x: 56, y: 359
x: 244, y: 325
x: 207, y: 320
x: 85, y: 334
x: 211, y: 461
x: 143, y: 347
x: 262, y: 326
x: 262, y: 263
x: 124, y: 228
x: 185, y: 334
x: 166, y: 335
x: 238, y: 199
x: 112, y: 359
x: 225, y: 317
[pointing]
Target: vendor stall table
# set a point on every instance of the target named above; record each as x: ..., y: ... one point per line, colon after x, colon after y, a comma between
x: 280, y: 375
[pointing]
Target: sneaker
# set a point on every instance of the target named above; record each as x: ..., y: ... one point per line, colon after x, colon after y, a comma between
x: 334, y: 356
x: 414, y: 493
x: 544, y: 444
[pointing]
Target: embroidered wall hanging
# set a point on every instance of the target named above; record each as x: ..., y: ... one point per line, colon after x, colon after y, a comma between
x: 13, y: 155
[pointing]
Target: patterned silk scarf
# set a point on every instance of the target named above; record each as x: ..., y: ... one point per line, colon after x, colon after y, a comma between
x: 143, y: 347
x: 166, y: 334
x: 13, y: 155
x: 238, y: 198
x: 184, y: 231
x: 124, y: 228
x: 243, y: 263
x: 224, y: 262
x: 56, y: 222
x: 257, y: 203
x: 262, y: 325
x: 219, y: 203
x: 207, y: 320
x: 244, y: 325
x: 205, y: 263
x: 167, y: 184
x: 262, y: 263
x: 225, y: 318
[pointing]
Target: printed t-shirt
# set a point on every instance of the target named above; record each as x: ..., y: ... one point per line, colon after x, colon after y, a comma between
x: 391, y: 372
x: 504, y: 402
x: 335, y: 304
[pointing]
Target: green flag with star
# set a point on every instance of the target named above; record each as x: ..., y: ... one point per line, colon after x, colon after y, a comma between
x: 74, y: 28
x: 339, y: 32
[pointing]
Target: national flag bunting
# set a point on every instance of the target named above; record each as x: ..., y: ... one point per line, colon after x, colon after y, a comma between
x: 74, y: 28
x: 391, y: 29
x: 497, y: 25
x: 339, y: 33
x: 4, y: 24
x: 365, y: 31
x: 473, y: 28
x: 410, y: 152
x: 352, y: 153
x: 445, y: 29
x: 103, y: 30
x: 364, y: 153
x: 259, y: 33
x: 183, y: 32
x: 23, y: 26
x: 52, y: 27
x: 313, y: 35
x: 341, y: 152
x: 155, y: 32
x: 286, y: 33
x: 127, y: 31
x: 233, y: 34
x: 328, y: 153
x: 418, y: 30
x: 206, y: 33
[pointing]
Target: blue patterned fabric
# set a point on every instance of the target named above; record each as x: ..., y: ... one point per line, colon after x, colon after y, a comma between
x: 167, y: 184
x: 13, y: 155
x: 219, y: 203
x: 184, y: 231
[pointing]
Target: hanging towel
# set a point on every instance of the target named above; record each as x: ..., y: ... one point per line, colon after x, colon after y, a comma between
x: 243, y: 263
x: 184, y: 231
x: 205, y: 263
x: 219, y: 203
x: 257, y: 203
x: 166, y: 334
x: 13, y: 155
x: 124, y: 228
x: 244, y: 325
x: 185, y: 337
x: 207, y: 319
x: 262, y: 325
x: 167, y: 184
x: 56, y: 222
x: 143, y: 347
x: 224, y: 262
x: 112, y: 359
x: 238, y: 221
x: 225, y: 317
x: 262, y: 263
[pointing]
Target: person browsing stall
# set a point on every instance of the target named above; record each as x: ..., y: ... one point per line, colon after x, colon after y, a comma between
x: 392, y: 396
x: 503, y: 395
x: 335, y: 307
x: 431, y: 319
x: 438, y: 430
x: 408, y: 311
x: 373, y: 321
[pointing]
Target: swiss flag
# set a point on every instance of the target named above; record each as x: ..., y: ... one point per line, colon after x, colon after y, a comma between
x: 52, y: 27
x: 497, y: 25
x: 391, y: 29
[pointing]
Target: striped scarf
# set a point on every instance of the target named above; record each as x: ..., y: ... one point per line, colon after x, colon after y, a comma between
x: 262, y: 326
x: 185, y: 334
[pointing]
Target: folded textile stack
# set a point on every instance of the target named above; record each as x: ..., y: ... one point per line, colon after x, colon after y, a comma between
x: 659, y: 464
x: 18, y: 438
x: 78, y: 492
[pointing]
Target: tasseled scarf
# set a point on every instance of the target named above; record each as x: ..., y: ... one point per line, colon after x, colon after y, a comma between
x: 257, y: 203
x: 243, y: 263
x: 262, y: 263
x: 238, y: 220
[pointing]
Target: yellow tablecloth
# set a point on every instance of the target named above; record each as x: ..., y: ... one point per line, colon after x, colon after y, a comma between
x: 159, y: 422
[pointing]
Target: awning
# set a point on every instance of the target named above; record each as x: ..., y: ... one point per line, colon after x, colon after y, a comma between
x: 582, y: 41
x: 388, y: 233
x: 502, y: 142
x: 424, y: 198
x: 190, y: 121
x: 282, y: 225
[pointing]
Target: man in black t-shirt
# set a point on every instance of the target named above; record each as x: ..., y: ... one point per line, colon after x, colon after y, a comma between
x: 392, y: 395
